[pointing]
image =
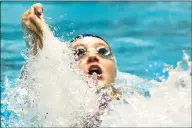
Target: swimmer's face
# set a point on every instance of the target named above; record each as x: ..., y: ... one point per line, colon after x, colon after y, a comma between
x: 95, y: 57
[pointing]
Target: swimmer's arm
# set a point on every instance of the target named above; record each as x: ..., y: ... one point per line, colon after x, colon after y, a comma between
x: 32, y: 31
x: 32, y: 23
x: 34, y: 26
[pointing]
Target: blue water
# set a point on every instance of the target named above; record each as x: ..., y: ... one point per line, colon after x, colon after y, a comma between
x: 143, y: 35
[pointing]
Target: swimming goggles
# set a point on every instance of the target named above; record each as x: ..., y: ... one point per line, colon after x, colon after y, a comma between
x: 103, y: 51
x: 82, y: 51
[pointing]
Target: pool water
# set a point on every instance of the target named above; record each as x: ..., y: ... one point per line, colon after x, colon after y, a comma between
x: 145, y: 36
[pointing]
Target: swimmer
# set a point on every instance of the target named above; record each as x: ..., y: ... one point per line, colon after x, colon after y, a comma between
x: 93, y: 54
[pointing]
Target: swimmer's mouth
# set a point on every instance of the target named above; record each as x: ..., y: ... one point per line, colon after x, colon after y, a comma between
x: 95, y: 69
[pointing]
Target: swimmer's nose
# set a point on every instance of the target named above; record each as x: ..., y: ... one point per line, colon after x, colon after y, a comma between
x: 92, y: 58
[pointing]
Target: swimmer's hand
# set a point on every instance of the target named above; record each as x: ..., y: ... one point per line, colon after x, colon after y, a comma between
x: 33, y: 22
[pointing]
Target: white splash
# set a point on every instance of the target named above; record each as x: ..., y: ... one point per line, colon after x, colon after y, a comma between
x: 168, y: 106
x: 51, y: 92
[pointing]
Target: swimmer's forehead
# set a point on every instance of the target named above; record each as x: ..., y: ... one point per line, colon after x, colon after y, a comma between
x: 90, y: 42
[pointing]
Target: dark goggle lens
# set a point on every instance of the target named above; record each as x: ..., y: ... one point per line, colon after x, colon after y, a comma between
x: 104, y: 51
x: 79, y: 52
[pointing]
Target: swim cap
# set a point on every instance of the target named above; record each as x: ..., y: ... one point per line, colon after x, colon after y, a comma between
x: 81, y: 36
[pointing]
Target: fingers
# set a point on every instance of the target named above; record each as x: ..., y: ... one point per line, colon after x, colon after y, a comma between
x: 33, y: 28
x: 36, y: 31
x: 38, y: 10
x: 34, y: 16
x: 37, y: 17
x: 33, y: 21
x: 36, y: 22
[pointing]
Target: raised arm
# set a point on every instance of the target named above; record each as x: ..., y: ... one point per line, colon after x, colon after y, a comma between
x: 33, y: 25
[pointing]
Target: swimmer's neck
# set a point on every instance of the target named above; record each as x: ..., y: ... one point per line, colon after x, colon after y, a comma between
x: 110, y: 90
